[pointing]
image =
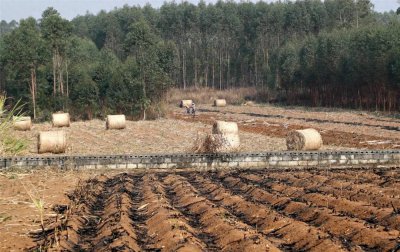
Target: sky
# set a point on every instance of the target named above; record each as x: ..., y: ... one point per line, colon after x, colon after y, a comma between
x: 18, y: 9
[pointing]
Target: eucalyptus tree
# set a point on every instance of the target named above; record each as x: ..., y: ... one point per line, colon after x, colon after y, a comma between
x: 7, y: 27
x: 23, y: 52
x: 146, y: 49
x: 56, y: 32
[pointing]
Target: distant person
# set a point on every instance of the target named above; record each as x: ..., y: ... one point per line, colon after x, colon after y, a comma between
x: 191, y: 110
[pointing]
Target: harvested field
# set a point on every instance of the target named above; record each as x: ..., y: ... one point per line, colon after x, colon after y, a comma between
x: 259, y: 210
x: 262, y: 128
x: 248, y: 210
x: 18, y: 215
x: 341, y: 129
x: 144, y: 137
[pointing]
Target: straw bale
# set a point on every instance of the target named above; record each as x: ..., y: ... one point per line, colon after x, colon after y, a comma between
x: 219, y: 102
x: 249, y: 103
x: 22, y: 123
x: 221, y: 127
x: 61, y: 119
x: 116, y: 122
x: 306, y: 139
x: 185, y: 103
x: 52, y: 141
x: 217, y: 143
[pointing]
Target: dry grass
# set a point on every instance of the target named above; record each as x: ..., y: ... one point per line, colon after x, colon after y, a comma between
x: 207, y: 95
x: 210, y: 143
x: 141, y: 137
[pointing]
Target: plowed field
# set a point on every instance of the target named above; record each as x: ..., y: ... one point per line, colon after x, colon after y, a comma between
x: 338, y: 129
x: 341, y: 210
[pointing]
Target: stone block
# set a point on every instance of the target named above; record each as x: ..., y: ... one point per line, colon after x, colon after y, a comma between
x: 324, y: 162
x: 283, y: 164
x: 354, y: 162
x: 253, y: 164
x: 233, y: 164
x: 274, y: 158
x: 303, y: 163
x: 306, y: 157
x: 131, y: 166
x: 313, y: 163
x: 141, y: 166
x: 121, y: 166
x: 171, y: 166
x: 160, y: 166
x: 383, y: 161
x: 368, y: 161
x: 273, y: 163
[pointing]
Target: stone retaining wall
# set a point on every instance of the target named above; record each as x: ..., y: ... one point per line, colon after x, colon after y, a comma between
x: 304, y: 159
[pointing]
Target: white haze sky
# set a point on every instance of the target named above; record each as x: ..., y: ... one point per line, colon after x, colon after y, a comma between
x: 18, y: 9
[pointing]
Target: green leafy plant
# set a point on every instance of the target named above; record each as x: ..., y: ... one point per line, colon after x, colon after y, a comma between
x: 9, y: 144
x: 38, y: 202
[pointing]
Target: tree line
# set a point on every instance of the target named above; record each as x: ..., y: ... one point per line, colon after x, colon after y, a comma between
x: 319, y: 53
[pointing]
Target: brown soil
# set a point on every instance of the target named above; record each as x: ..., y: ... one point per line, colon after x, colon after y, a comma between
x: 342, y: 129
x: 18, y: 215
x: 230, y: 211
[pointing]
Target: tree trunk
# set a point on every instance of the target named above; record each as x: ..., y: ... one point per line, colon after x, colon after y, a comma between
x: 54, y: 72
x: 206, y: 74
x: 144, y: 85
x: 66, y: 71
x: 255, y: 67
x: 183, y: 68
x: 60, y: 74
x: 195, y: 68
x: 33, y: 90
x: 213, y: 75
x: 228, y: 73
x: 220, y: 70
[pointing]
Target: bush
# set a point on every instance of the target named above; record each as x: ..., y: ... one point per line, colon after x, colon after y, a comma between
x: 8, y: 143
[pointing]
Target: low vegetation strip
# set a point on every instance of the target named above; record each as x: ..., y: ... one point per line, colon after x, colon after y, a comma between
x: 280, y: 160
x: 228, y: 211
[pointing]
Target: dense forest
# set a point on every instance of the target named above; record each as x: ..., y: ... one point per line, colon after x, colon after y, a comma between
x: 336, y: 53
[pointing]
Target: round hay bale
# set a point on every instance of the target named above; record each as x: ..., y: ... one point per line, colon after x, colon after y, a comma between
x: 61, y: 120
x: 306, y: 139
x: 52, y: 141
x: 221, y: 127
x: 230, y: 142
x: 219, y: 103
x: 185, y: 103
x: 249, y: 103
x: 224, y: 143
x: 115, y: 122
x: 22, y: 123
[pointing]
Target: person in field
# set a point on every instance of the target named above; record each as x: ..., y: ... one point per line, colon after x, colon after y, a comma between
x: 191, y: 110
